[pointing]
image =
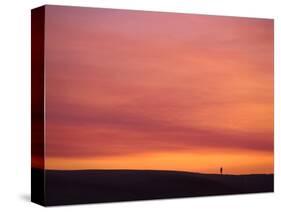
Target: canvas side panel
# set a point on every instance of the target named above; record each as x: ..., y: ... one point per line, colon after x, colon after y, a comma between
x: 37, y: 105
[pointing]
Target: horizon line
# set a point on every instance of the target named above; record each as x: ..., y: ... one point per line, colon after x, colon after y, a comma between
x: 159, y: 170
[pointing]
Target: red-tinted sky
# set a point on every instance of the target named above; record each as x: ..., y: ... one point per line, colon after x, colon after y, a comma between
x: 142, y: 90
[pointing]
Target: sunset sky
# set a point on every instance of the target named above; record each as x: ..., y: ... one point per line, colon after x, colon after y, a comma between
x: 142, y: 90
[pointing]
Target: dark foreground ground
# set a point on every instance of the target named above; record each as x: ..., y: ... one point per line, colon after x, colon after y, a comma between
x: 92, y: 186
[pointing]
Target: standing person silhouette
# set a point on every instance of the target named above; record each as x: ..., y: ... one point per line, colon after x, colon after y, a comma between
x: 221, y: 170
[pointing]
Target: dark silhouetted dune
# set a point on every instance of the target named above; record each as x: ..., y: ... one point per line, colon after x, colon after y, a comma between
x: 92, y: 186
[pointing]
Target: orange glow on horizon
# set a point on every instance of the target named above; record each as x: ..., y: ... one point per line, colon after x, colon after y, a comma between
x: 198, y: 161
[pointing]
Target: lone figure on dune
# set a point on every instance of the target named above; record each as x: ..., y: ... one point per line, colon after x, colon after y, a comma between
x: 221, y: 170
